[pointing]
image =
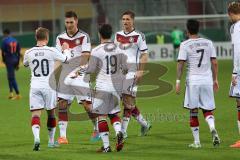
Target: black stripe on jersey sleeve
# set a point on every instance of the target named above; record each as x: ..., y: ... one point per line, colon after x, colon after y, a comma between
x: 25, y: 65
x: 144, y: 50
x: 184, y: 60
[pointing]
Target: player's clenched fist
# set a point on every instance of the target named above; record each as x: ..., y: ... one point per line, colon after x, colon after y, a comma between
x: 65, y: 45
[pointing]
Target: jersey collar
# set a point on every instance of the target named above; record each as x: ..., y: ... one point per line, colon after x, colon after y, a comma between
x: 73, y: 34
x: 126, y: 33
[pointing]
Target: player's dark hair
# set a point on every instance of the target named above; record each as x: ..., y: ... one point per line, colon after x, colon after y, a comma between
x: 70, y: 14
x: 234, y: 7
x: 41, y: 34
x: 105, y: 31
x: 6, y: 31
x: 130, y: 13
x: 193, y: 26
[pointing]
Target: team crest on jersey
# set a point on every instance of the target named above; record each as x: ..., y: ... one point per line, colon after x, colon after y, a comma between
x: 77, y: 42
x: 131, y: 39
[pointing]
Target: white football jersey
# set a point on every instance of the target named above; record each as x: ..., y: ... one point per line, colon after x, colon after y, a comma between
x: 108, y: 61
x: 78, y: 43
x: 235, y: 35
x: 133, y: 44
x: 41, y: 61
x: 198, y: 53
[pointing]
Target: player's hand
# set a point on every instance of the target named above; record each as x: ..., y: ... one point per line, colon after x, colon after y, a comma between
x: 138, y: 76
x: 234, y: 80
x: 65, y: 45
x: 17, y: 67
x: 215, y: 86
x: 178, y: 87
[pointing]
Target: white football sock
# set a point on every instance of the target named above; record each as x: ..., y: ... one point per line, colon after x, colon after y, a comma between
x: 125, y: 122
x: 63, y: 128
x: 105, y: 139
x: 51, y: 134
x: 117, y: 127
x: 195, y: 132
x: 141, y: 120
x: 210, y: 120
x: 36, y: 132
x: 238, y: 122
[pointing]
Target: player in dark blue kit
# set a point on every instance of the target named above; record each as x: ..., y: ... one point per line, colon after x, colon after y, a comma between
x: 11, y: 56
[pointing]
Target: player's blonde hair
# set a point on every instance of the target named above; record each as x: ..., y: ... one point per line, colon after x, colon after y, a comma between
x: 234, y: 7
x: 42, y: 34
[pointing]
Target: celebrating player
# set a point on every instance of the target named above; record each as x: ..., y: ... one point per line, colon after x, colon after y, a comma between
x: 133, y: 44
x: 80, y: 47
x: 200, y: 56
x: 41, y: 60
x: 234, y: 15
x: 107, y: 61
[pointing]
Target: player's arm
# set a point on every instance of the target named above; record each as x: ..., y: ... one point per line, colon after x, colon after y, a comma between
x: 180, y: 66
x: 143, y: 58
x: 236, y: 65
x: 86, y: 49
x: 3, y: 54
x: 25, y: 60
x: 215, y: 73
x: 18, y: 55
x: 214, y: 65
x: 182, y: 57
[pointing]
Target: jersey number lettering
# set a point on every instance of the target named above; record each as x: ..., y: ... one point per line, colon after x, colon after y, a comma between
x: 44, y: 67
x: 201, y: 58
x: 112, y: 60
x: 13, y: 47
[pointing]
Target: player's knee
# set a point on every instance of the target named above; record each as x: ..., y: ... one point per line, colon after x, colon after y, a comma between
x: 62, y: 104
x: 194, y: 118
x: 127, y: 112
x: 102, y: 124
x: 207, y: 113
x: 128, y: 102
x: 51, y: 122
x: 114, y: 118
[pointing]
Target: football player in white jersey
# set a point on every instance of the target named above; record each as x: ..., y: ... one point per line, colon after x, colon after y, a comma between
x: 79, y: 44
x: 234, y: 15
x: 107, y: 61
x: 41, y: 59
x: 133, y: 44
x: 201, y: 81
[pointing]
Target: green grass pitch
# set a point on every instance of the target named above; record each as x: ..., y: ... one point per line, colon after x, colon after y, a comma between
x: 168, y: 138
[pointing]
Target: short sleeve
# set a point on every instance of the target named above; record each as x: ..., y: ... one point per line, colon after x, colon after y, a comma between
x: 58, y: 45
x: 213, y: 51
x: 182, y: 55
x: 86, y: 45
x: 57, y: 55
x: 142, y: 43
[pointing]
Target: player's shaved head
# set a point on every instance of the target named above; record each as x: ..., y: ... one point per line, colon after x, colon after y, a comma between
x: 71, y: 14
x: 130, y: 13
x: 193, y: 26
x: 234, y: 7
x: 42, y: 34
x: 105, y: 31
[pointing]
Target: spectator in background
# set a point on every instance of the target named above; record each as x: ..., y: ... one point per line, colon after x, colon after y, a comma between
x: 177, y: 37
x: 160, y: 38
x: 11, y: 56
